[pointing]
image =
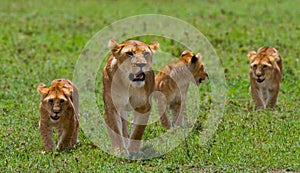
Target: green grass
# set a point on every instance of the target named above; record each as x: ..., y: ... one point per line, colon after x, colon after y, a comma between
x: 41, y: 41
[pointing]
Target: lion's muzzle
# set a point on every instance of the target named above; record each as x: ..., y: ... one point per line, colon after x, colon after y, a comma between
x: 140, y: 75
x: 55, y: 116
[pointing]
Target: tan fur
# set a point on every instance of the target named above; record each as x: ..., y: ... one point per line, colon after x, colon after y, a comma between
x: 265, y: 76
x: 122, y: 95
x: 59, y: 109
x: 172, y: 83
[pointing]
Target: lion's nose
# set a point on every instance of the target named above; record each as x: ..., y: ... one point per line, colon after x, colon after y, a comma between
x: 56, y: 110
x: 258, y: 75
x: 141, y: 65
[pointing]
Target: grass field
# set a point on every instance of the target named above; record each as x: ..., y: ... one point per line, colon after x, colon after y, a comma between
x: 42, y: 40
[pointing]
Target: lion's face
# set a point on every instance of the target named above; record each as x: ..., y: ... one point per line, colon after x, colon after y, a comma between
x: 134, y: 59
x: 56, y: 98
x: 195, y: 66
x: 263, y: 63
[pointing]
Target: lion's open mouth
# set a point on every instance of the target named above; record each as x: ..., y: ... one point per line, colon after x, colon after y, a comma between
x: 260, y: 80
x: 56, y: 117
x: 200, y: 80
x: 140, y: 76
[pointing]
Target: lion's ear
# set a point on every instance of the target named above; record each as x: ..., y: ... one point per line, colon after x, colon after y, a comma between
x: 251, y: 55
x: 198, y: 55
x: 186, y: 52
x: 274, y: 55
x: 277, y: 58
x: 194, y: 59
x: 42, y: 89
x: 192, y: 62
x: 114, y: 46
x: 67, y: 89
x: 154, y: 46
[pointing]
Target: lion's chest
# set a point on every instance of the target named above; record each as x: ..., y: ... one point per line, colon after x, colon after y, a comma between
x: 138, y: 98
x: 130, y: 98
x: 268, y: 84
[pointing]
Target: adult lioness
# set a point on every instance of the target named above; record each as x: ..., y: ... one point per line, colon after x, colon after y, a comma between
x: 59, y: 108
x: 265, y: 76
x: 172, y: 83
x: 128, y: 81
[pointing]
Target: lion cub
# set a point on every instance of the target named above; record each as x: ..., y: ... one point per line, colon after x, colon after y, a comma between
x: 59, y: 108
x: 172, y: 82
x: 265, y: 76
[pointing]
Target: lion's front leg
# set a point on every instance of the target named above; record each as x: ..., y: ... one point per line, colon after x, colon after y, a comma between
x: 75, y: 133
x: 179, y: 112
x: 47, y: 136
x: 162, y: 108
x: 125, y: 134
x: 114, y: 125
x: 164, y: 118
x: 257, y: 98
x: 273, y: 95
x: 65, y: 133
x: 178, y: 107
x: 140, y: 120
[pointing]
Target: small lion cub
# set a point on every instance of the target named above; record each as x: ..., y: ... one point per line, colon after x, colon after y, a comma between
x: 172, y: 83
x: 59, y: 108
x: 265, y: 76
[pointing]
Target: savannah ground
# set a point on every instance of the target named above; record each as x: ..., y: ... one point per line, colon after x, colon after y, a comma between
x: 41, y: 41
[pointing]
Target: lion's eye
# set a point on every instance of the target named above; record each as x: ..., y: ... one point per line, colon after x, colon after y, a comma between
x: 51, y: 101
x: 61, y: 101
x: 254, y: 66
x: 265, y: 66
x: 146, y: 54
x: 129, y: 53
